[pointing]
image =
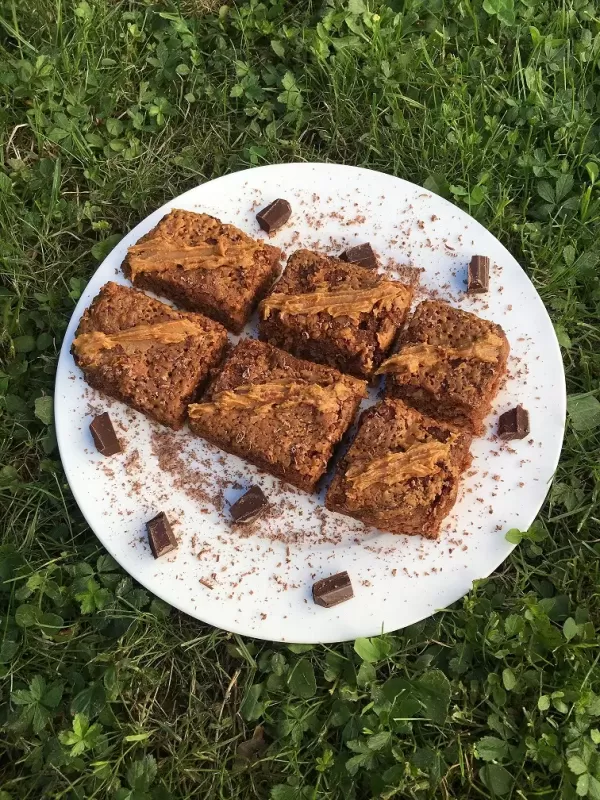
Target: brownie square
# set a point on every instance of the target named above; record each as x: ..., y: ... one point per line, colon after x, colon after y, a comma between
x: 401, y: 472
x: 146, y: 353
x: 448, y: 364
x: 334, y: 312
x: 282, y: 414
x: 205, y: 265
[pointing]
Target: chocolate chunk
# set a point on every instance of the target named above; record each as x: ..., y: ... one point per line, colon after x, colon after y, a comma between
x: 250, y: 506
x: 514, y: 424
x: 441, y: 434
x: 104, y: 435
x: 362, y: 254
x: 160, y: 535
x: 274, y: 215
x: 478, y: 279
x: 331, y: 591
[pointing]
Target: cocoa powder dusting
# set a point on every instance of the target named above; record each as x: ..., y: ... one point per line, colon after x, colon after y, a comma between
x: 200, y: 486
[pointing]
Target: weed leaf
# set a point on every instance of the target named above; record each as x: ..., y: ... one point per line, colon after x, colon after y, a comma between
x: 490, y: 748
x: 434, y: 691
x: 251, y: 707
x: 496, y: 778
x: 302, y: 680
x: 584, y: 412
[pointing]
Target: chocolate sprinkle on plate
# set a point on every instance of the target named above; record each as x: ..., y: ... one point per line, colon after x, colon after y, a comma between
x: 362, y: 254
x: 332, y: 591
x: 273, y: 216
x: 250, y: 506
x: 104, y: 435
x: 478, y: 278
x: 514, y: 424
x: 160, y: 535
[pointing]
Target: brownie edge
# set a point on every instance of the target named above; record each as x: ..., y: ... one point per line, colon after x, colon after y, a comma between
x: 401, y: 472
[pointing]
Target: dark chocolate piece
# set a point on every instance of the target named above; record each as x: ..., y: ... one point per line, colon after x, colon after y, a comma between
x: 104, y: 435
x: 478, y: 279
x: 274, y: 215
x: 331, y: 591
x: 250, y: 506
x: 514, y: 424
x: 160, y: 535
x: 362, y: 254
x: 441, y: 434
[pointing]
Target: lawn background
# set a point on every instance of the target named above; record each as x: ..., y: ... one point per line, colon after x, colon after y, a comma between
x: 108, y: 110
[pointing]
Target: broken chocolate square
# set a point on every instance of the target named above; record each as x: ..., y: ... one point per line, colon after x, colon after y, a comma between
x: 478, y: 278
x: 274, y: 215
x: 160, y: 535
x: 104, y: 435
x: 250, y: 506
x: 441, y: 434
x: 514, y: 424
x: 362, y: 254
x: 331, y: 591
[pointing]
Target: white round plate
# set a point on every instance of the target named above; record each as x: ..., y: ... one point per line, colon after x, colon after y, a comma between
x: 259, y: 583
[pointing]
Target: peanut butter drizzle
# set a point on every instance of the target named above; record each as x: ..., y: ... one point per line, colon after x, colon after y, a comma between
x: 88, y: 346
x: 339, y: 303
x: 419, y: 461
x: 261, y: 398
x: 160, y: 255
x: 413, y: 357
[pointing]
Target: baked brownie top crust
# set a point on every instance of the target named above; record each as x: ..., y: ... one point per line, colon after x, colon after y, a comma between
x: 89, y: 346
x: 145, y: 352
x: 283, y: 408
x: 118, y: 308
x: 188, y: 241
x: 256, y: 363
x: 323, y: 295
x: 448, y: 350
x: 399, y: 463
x: 205, y: 265
x: 126, y: 321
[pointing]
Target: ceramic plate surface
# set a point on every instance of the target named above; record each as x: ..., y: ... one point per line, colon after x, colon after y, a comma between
x: 259, y: 584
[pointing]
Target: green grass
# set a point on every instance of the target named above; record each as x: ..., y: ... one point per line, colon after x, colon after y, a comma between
x: 109, y: 109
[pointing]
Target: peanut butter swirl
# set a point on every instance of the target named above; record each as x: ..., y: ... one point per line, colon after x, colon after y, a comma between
x: 339, y: 303
x: 419, y: 461
x: 160, y: 255
x: 88, y: 346
x: 414, y: 357
x: 262, y: 398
